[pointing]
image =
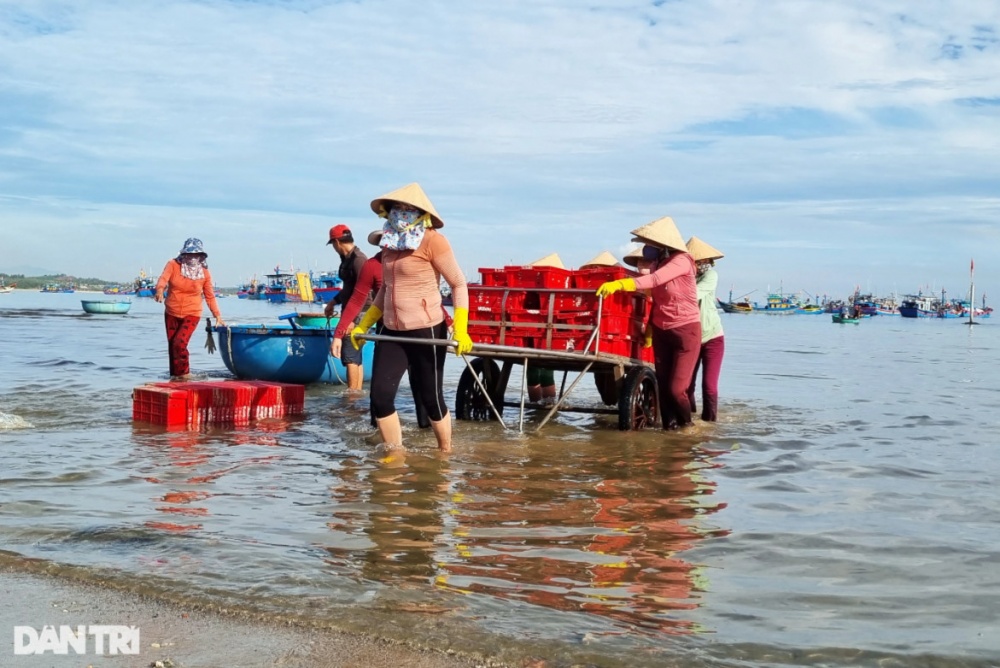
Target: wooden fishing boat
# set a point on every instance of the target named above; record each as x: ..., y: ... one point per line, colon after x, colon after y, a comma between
x: 285, y: 354
x: 106, y: 306
x: 735, y: 307
x: 844, y: 319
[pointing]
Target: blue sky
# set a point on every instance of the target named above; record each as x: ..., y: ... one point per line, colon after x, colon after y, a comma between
x: 819, y: 144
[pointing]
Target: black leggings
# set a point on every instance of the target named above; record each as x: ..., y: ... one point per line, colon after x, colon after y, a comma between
x: 426, y: 364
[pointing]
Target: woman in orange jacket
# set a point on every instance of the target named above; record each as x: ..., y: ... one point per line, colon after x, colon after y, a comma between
x: 186, y: 281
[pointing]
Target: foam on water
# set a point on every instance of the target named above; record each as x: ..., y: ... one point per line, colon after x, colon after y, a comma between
x: 8, y: 421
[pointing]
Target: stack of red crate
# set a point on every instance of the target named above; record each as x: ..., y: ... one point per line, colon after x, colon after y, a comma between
x: 225, y: 402
x: 556, y: 309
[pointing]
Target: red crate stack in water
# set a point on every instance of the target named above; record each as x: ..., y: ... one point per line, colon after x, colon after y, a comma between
x: 224, y: 402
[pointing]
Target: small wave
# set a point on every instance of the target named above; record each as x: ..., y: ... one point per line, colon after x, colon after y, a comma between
x: 8, y: 421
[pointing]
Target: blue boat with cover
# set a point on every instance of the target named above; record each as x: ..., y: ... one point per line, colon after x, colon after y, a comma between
x: 285, y: 353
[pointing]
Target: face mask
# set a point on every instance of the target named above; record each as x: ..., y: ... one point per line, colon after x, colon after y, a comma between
x: 404, y: 218
x: 651, y: 253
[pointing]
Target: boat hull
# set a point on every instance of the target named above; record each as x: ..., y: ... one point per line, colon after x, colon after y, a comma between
x: 285, y: 354
x: 104, y: 307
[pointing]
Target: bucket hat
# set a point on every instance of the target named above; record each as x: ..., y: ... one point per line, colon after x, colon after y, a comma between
x: 702, y: 251
x: 661, y: 232
x: 604, y: 259
x: 551, y: 260
x: 413, y: 195
x: 193, y: 245
x: 374, y: 237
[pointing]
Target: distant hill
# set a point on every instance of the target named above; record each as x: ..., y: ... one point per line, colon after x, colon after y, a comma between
x: 26, y: 270
x: 36, y: 282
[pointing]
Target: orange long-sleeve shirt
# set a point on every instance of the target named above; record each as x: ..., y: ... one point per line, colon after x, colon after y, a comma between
x: 184, y: 295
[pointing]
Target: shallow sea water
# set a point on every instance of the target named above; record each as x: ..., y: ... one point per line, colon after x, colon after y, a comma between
x: 841, y: 513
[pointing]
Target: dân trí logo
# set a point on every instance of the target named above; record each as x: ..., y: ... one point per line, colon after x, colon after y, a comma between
x: 97, y: 639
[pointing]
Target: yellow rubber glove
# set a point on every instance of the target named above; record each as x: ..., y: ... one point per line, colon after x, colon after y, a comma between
x: 370, y: 317
x: 647, y: 336
x: 460, y: 335
x: 611, y: 287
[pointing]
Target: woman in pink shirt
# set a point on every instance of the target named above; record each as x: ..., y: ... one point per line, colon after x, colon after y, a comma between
x: 414, y: 258
x: 188, y: 285
x: 675, y: 316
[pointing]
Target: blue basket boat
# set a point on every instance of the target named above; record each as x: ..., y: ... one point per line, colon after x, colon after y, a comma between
x: 285, y: 354
x: 105, y: 306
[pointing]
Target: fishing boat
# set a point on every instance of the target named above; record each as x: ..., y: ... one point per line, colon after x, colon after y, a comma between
x: 777, y: 304
x: 735, y: 307
x: 284, y: 286
x: 919, y: 306
x: 741, y: 306
x: 106, y: 306
x: 251, y: 290
x: 844, y: 319
x: 4, y: 288
x: 285, y: 354
x: 327, y: 286
x: 144, y: 285
x: 55, y: 287
x: 810, y: 309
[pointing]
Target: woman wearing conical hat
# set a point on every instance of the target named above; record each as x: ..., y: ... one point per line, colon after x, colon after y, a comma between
x: 713, y: 343
x: 675, y: 318
x: 414, y: 258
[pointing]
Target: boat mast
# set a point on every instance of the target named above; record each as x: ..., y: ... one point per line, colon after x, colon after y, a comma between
x: 972, y: 293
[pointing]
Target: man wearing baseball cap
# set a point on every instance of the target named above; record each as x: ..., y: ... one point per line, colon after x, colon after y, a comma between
x: 352, y: 259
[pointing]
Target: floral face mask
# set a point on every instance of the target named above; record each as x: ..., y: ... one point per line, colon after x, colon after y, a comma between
x: 404, y: 228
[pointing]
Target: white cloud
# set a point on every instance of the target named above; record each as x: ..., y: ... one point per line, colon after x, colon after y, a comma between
x: 812, y: 141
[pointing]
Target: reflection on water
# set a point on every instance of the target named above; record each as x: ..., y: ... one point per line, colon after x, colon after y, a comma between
x: 809, y: 526
x: 604, y: 536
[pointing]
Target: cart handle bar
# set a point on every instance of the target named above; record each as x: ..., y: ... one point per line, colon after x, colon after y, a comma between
x: 500, y: 351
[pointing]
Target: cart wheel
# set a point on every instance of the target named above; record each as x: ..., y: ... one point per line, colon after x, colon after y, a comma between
x: 470, y: 402
x: 638, y: 404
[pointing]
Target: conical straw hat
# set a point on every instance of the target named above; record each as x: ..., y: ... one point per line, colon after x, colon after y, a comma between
x: 632, y: 259
x: 605, y: 259
x: 551, y: 260
x: 701, y: 251
x: 661, y: 232
x: 413, y: 195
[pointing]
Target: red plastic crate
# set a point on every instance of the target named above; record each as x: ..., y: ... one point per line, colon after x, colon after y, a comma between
x: 538, y: 277
x: 484, y: 300
x: 493, y: 276
x: 593, y: 277
x: 160, y: 405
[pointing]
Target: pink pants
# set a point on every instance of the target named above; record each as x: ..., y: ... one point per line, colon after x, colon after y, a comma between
x: 710, y: 362
x: 179, y: 333
x: 675, y: 354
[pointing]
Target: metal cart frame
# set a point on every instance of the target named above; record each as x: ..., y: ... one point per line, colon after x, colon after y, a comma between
x: 625, y: 383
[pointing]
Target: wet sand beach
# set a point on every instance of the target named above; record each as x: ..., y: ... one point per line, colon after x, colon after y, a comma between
x: 179, y: 636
